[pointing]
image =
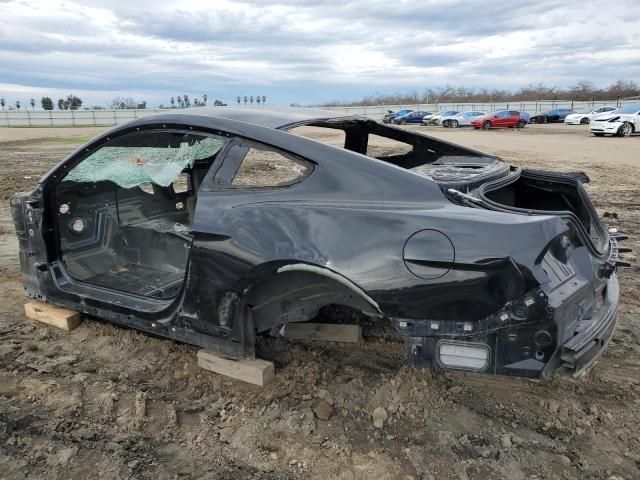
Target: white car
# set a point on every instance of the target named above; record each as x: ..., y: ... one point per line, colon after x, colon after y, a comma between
x: 437, y: 118
x: 428, y: 116
x: 461, y: 119
x: 624, y: 121
x: 586, y: 117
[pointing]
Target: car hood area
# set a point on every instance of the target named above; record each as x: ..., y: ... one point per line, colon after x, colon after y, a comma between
x: 613, y: 117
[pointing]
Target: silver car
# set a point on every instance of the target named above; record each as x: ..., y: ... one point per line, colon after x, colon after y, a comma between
x: 462, y: 119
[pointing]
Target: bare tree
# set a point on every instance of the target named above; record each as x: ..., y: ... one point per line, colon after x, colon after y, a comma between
x: 123, y: 103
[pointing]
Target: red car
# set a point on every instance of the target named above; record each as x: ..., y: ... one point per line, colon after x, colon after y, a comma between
x: 500, y: 118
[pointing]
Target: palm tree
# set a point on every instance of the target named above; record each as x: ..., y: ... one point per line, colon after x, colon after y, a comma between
x: 245, y: 100
x: 204, y: 100
x: 33, y: 104
x: 238, y: 99
x: 251, y: 100
x: 2, y: 102
x: 258, y: 99
x: 173, y: 102
x: 18, y: 104
x: 185, y: 97
x: 179, y: 100
x: 264, y: 100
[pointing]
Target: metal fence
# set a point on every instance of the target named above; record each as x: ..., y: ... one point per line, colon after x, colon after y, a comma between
x: 67, y: 118
x: 70, y: 118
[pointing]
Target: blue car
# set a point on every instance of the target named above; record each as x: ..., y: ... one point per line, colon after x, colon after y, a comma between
x: 413, y: 117
x: 552, y: 116
x: 391, y: 115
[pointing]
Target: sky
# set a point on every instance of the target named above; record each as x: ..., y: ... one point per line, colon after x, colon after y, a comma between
x: 307, y: 51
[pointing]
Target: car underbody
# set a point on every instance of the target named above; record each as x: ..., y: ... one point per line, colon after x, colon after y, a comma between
x: 477, y: 264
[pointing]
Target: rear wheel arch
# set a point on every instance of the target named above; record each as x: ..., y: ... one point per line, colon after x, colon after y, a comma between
x: 295, y: 293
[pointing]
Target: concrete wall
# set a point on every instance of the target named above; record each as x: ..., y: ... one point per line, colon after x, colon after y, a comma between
x: 64, y: 118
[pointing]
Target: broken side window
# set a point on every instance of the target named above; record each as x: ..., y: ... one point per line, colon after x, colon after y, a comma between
x: 264, y: 167
x: 380, y: 147
x: 329, y: 136
x: 145, y: 157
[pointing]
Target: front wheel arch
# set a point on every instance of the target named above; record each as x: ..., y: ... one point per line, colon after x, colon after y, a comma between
x: 625, y: 129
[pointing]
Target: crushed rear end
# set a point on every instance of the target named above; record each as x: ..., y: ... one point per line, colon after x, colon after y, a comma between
x: 568, y: 319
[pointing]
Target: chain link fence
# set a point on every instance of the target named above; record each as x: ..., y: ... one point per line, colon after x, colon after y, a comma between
x: 82, y: 118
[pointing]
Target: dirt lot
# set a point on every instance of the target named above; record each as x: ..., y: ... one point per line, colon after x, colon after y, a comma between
x: 105, y: 402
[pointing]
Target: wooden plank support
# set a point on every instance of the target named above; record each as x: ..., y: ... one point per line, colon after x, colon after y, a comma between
x: 53, y: 315
x: 258, y: 372
x: 325, y: 332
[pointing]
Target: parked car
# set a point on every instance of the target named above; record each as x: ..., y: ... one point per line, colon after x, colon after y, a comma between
x: 585, y: 117
x: 461, y: 119
x: 412, y: 117
x: 552, y: 116
x: 437, y: 118
x: 214, y: 227
x: 500, y: 119
x: 391, y: 115
x: 622, y: 122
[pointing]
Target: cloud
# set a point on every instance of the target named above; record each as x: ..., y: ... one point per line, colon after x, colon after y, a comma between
x: 308, y: 51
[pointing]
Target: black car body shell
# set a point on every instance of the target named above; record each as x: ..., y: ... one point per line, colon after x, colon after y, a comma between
x: 369, y: 234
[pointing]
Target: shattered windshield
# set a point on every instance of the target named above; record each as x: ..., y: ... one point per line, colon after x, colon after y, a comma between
x: 145, y: 158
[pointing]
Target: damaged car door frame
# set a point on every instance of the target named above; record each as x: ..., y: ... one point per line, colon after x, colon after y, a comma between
x: 369, y: 234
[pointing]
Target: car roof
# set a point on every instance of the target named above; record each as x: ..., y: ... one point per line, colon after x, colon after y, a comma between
x: 270, y: 117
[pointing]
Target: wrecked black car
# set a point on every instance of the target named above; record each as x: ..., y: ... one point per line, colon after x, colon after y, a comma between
x: 211, y: 227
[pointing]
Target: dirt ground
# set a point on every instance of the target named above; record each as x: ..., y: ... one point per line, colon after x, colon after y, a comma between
x: 106, y: 402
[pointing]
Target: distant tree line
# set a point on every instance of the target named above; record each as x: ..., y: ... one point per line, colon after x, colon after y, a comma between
x: 250, y: 99
x: 584, y: 90
x: 127, y: 103
x: 183, y: 101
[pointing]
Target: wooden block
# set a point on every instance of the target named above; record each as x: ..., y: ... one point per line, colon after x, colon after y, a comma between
x: 59, y: 317
x: 258, y: 372
x: 327, y: 332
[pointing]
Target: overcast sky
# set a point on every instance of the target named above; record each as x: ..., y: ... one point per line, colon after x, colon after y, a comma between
x: 307, y: 51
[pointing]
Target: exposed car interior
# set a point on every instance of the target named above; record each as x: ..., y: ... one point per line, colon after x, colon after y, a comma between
x: 124, y: 211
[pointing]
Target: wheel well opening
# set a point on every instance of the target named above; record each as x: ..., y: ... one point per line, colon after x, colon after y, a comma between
x: 301, y: 296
